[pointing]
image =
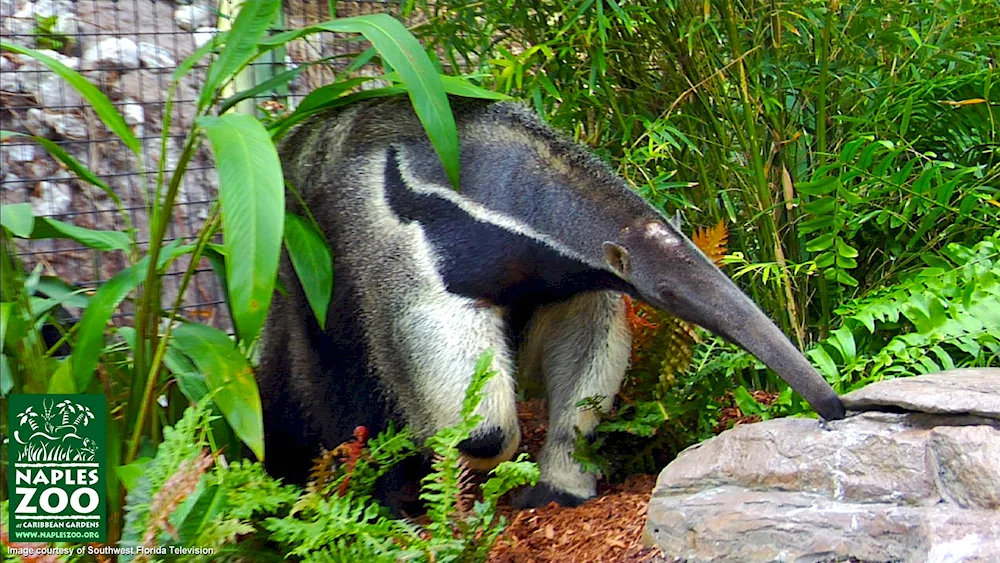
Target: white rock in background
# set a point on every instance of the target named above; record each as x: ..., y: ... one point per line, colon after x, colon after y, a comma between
x: 54, y: 198
x: 112, y: 52
x: 193, y: 16
x: 68, y: 126
x: 53, y: 92
x: 152, y: 56
x: 49, y: 89
x: 8, y: 80
x: 133, y: 113
x: 67, y: 25
x: 135, y: 116
x: 11, y: 182
x: 22, y: 22
x: 46, y: 8
x: 18, y: 153
x: 34, y: 121
x: 203, y: 35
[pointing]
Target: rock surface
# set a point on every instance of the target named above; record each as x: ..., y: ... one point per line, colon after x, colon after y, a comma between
x: 960, y: 391
x: 918, y: 484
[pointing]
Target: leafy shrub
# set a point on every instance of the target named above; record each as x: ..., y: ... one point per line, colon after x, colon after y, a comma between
x: 189, y: 497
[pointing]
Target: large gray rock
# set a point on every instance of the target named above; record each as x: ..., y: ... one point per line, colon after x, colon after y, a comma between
x: 878, y: 486
x: 957, y: 391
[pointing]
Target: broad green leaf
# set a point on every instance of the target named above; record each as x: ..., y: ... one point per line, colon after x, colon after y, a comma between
x: 846, y: 250
x: 400, y: 50
x: 216, y: 257
x: 193, y: 59
x: 843, y: 341
x: 229, y: 378
x: 311, y: 257
x: 100, y: 103
x: 816, y: 224
x: 252, y: 194
x: 81, y: 171
x: 279, y: 128
x: 98, y: 240
x: 250, y: 25
x: 819, y: 186
x: 90, y: 329
x: 825, y: 363
x: 6, y: 310
x: 18, y: 219
x: 66, y: 294
x: 131, y: 473
x: 208, y: 505
x: 820, y: 206
x: 322, y: 96
x: 747, y: 404
x: 820, y: 243
x: 274, y: 82
x: 61, y: 381
x: 458, y: 86
x: 6, y: 376
x: 846, y: 279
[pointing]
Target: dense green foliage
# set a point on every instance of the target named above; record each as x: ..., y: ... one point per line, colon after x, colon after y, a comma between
x: 851, y: 148
x: 185, y: 498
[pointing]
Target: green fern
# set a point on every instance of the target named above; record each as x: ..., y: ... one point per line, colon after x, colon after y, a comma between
x: 942, y: 316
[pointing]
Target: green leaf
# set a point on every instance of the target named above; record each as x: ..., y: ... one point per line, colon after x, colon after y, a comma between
x: 81, y: 171
x: 820, y: 243
x: 824, y: 362
x: 209, y: 504
x: 275, y: 81
x: 820, y: 186
x: 400, y: 50
x: 322, y: 96
x: 62, y: 292
x: 311, y: 257
x: 229, y: 378
x: 61, y: 381
x: 100, y: 103
x: 6, y: 376
x: 747, y: 404
x: 99, y: 240
x: 90, y: 329
x: 251, y: 24
x: 845, y: 250
x: 18, y: 219
x: 189, y: 63
x: 843, y: 341
x: 131, y: 473
x: 252, y: 193
x: 458, y: 86
x: 816, y: 224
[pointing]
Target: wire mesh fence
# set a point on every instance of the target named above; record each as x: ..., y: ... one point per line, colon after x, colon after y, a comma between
x: 129, y: 49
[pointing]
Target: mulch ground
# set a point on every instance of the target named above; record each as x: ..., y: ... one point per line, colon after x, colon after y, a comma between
x: 605, y: 529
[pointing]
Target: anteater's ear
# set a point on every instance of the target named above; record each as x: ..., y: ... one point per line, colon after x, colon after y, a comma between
x: 617, y: 258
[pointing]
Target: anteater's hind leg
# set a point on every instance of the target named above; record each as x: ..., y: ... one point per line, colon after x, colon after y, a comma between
x: 581, y: 348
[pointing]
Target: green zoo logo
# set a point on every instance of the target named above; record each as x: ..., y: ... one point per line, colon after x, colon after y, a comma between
x: 57, y: 467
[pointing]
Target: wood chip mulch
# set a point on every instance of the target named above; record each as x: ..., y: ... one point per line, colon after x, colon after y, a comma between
x: 605, y: 529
